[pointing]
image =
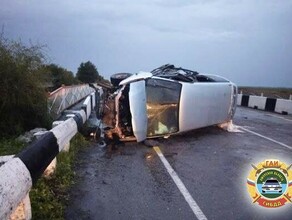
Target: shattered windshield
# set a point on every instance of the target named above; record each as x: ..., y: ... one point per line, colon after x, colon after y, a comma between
x: 162, y: 106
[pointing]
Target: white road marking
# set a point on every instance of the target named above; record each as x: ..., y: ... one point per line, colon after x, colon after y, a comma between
x: 180, y: 185
x: 276, y: 116
x: 265, y: 137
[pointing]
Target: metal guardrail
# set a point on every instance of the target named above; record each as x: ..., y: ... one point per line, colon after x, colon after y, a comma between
x: 19, y: 172
x: 66, y: 96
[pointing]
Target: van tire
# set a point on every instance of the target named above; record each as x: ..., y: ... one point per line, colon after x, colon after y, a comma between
x: 119, y: 77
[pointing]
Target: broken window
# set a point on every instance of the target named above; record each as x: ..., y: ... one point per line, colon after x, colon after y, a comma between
x: 162, y: 106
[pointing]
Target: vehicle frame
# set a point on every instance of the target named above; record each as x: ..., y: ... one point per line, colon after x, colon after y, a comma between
x: 167, y: 101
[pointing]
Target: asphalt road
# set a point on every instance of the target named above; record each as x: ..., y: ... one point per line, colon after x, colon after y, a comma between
x: 132, y: 182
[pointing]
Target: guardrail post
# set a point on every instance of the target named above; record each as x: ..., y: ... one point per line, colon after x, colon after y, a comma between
x: 290, y: 97
x: 52, y: 166
x: 23, y: 210
x: 18, y: 173
x: 67, y: 145
x: 50, y: 170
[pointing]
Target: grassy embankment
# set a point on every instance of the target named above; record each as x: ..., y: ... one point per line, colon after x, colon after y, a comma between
x: 50, y: 197
x: 267, y: 92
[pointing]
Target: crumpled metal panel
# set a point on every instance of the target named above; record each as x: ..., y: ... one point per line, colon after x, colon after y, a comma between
x: 66, y: 96
x: 137, y: 98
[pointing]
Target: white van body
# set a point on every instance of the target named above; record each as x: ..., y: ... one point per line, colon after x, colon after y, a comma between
x: 162, y: 106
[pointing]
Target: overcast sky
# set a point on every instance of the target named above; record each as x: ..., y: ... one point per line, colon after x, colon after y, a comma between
x: 246, y: 41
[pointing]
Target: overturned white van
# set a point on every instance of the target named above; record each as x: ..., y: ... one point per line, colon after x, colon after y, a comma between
x: 168, y: 101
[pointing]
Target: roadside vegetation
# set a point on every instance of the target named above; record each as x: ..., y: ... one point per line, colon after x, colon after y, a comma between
x: 25, y: 80
x: 267, y: 92
x: 23, y: 103
x: 10, y: 146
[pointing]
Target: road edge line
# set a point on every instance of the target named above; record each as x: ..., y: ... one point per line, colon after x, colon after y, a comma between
x: 280, y: 117
x: 180, y: 185
x: 265, y: 137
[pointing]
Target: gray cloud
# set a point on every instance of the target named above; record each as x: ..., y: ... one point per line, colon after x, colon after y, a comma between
x: 246, y: 41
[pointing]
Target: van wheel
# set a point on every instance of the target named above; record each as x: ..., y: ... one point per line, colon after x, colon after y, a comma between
x: 119, y: 77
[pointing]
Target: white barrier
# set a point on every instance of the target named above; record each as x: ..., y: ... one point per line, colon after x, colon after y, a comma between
x: 258, y: 102
x: 239, y: 97
x: 283, y: 106
x: 87, y: 109
x: 93, y: 100
x: 15, y: 184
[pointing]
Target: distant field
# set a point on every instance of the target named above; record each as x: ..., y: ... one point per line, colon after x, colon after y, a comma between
x: 267, y: 92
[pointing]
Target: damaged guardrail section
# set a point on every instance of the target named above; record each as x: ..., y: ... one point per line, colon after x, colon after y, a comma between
x: 282, y: 106
x: 66, y: 96
x: 18, y: 173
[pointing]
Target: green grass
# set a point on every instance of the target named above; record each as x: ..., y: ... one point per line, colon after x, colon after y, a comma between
x: 10, y: 146
x: 49, y: 197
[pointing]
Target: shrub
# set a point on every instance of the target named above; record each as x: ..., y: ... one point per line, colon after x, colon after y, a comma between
x: 23, y: 101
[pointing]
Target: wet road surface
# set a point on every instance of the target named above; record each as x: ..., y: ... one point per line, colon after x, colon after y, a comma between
x: 132, y: 182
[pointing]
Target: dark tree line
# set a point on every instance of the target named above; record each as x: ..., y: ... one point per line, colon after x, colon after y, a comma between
x: 58, y: 76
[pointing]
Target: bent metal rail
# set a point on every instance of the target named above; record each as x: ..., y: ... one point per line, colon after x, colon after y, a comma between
x: 20, y: 172
x: 66, y: 96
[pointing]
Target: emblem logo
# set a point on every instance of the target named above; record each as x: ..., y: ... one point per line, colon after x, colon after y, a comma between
x: 270, y: 183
